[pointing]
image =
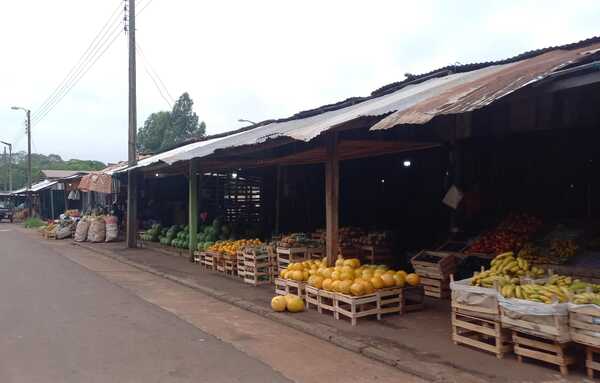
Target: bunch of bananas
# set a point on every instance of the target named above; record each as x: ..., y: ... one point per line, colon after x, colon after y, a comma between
x: 537, y: 293
x: 506, y: 269
x: 586, y: 298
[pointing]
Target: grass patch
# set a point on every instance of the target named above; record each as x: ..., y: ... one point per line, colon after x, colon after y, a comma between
x: 33, y: 223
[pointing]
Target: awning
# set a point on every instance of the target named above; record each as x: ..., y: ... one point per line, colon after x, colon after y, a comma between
x: 96, y: 182
x: 414, y: 103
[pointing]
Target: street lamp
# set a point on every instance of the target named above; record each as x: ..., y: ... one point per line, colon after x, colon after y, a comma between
x: 9, y: 164
x: 28, y: 113
x: 248, y: 121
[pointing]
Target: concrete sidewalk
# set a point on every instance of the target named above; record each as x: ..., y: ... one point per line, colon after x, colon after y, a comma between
x: 418, y: 343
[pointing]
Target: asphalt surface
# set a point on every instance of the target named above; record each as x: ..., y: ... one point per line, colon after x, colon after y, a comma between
x: 60, y: 322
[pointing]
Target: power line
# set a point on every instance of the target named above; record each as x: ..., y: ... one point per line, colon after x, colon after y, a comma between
x: 144, y: 7
x: 84, y: 58
x: 84, y: 70
x: 158, y: 83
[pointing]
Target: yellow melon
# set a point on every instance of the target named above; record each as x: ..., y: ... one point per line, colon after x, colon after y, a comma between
x: 357, y: 288
x: 339, y: 262
x: 335, y: 286
x: 295, y: 305
x: 388, y: 280
x: 344, y: 276
x: 413, y: 279
x: 344, y: 287
x: 305, y: 275
x: 297, y: 275
x: 336, y: 275
x: 377, y: 282
x: 369, y: 289
x: 278, y: 303
x: 402, y: 272
x: 327, y: 284
x: 399, y: 280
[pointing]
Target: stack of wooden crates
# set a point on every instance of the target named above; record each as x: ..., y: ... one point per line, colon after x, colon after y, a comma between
x: 476, y: 319
x: 435, y: 268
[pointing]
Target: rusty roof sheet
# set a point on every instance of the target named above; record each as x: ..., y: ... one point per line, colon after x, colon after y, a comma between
x: 474, y: 93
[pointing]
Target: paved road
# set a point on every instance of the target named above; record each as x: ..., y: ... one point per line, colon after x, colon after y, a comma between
x: 60, y: 322
x: 71, y: 315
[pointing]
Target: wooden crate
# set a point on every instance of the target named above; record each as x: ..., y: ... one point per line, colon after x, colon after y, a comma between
x: 327, y: 302
x: 413, y: 298
x: 542, y: 349
x: 436, y: 288
x: 230, y: 264
x: 391, y: 300
x: 483, y: 334
x: 584, y: 323
x: 480, y: 302
x: 316, y: 253
x: 591, y: 357
x: 434, y: 264
x: 257, y: 277
x: 241, y: 267
x: 257, y: 265
x: 285, y: 256
x: 349, y: 252
x: 354, y: 308
x: 374, y: 255
x: 288, y: 286
x: 555, y: 327
x: 197, y: 257
x: 207, y: 260
x: 312, y: 297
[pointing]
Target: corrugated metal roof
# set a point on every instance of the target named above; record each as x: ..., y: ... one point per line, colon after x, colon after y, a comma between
x: 53, y: 174
x: 409, y: 103
x: 475, y: 93
x: 36, y: 187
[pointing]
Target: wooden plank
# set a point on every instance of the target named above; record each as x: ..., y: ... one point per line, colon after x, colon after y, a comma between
x: 473, y: 327
x: 537, y: 329
x: 545, y: 357
x: 483, y: 310
x: 535, y: 343
x: 475, y: 343
x: 584, y: 325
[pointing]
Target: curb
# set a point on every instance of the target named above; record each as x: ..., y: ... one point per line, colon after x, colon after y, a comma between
x: 320, y: 331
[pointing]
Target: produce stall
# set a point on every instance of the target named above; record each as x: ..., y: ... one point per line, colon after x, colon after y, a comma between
x: 351, y: 290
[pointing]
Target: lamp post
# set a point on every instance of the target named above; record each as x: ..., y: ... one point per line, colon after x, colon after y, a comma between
x: 248, y: 121
x: 9, y: 164
x: 29, y: 201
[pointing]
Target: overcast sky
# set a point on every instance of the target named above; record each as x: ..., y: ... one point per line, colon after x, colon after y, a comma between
x: 248, y: 59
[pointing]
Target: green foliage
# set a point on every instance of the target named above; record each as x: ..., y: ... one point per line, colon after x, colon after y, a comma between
x: 165, y: 129
x: 41, y: 162
x: 33, y: 223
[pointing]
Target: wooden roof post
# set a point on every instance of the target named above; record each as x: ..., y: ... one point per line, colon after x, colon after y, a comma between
x: 277, y: 199
x: 332, y: 188
x: 193, y: 206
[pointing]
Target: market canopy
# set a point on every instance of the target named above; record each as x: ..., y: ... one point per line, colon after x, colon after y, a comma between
x: 96, y: 182
x: 413, y: 101
x: 42, y: 185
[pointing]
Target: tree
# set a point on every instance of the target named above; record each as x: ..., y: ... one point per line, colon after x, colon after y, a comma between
x: 41, y: 162
x: 164, y: 129
x: 151, y: 136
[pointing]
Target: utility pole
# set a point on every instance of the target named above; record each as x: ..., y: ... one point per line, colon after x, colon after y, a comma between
x: 6, y: 162
x: 131, y: 176
x: 29, y: 200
